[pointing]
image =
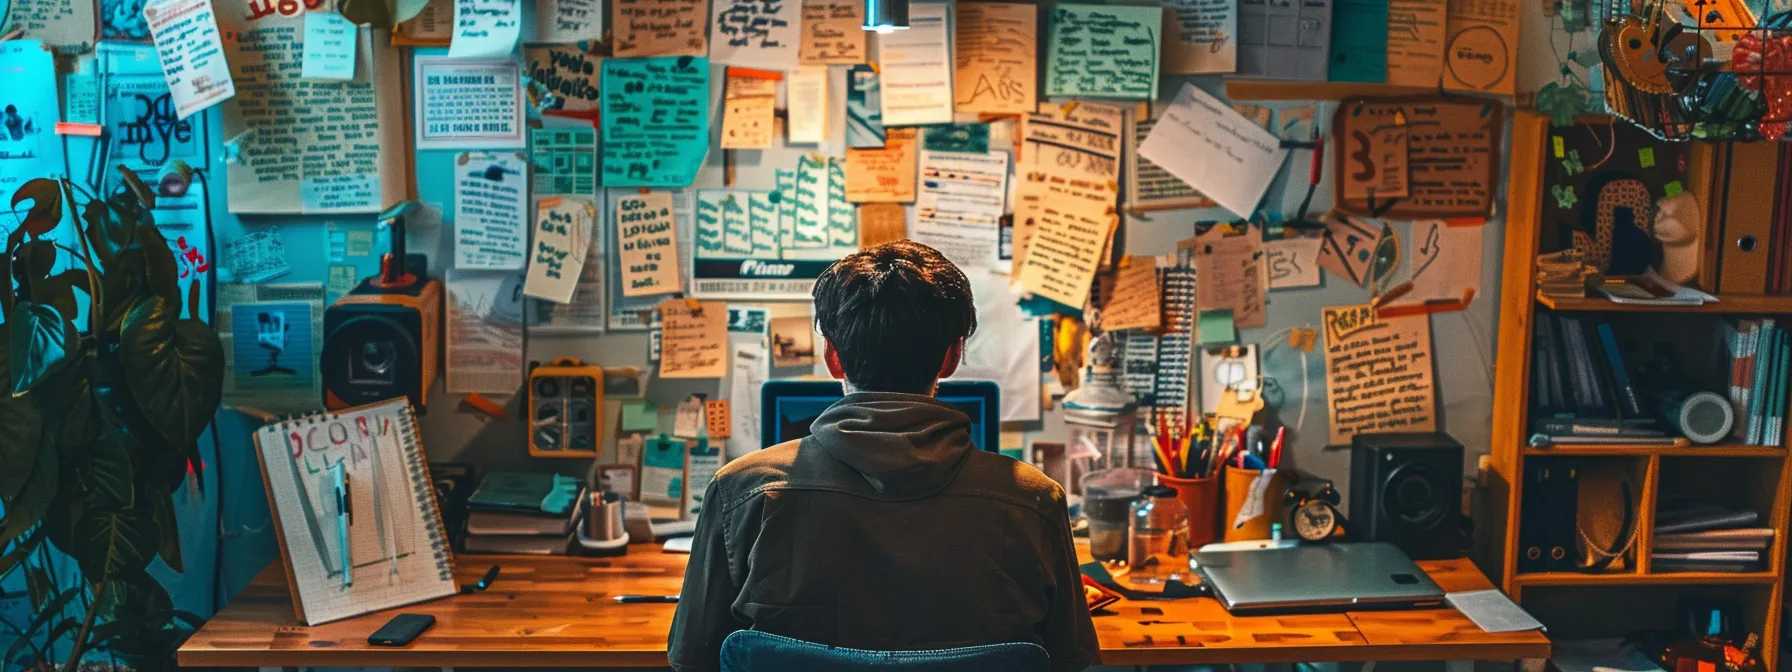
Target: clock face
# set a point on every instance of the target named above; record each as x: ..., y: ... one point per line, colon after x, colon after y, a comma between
x: 1314, y: 521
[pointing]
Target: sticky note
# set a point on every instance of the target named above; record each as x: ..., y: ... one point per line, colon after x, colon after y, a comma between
x: 1672, y: 188
x: 330, y: 45
x: 640, y: 416
x: 359, y: 243
x: 716, y: 414
x: 1560, y: 150
x: 1216, y: 328
x: 1302, y: 339
x: 1645, y: 157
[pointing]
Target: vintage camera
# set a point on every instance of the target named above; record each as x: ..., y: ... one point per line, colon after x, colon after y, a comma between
x: 384, y: 338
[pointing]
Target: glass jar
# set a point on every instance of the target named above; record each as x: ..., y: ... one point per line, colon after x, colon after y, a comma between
x: 1108, y: 496
x: 1157, y: 537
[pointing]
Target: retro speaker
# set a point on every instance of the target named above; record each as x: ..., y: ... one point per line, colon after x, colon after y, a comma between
x: 384, y: 338
x: 1407, y: 489
x: 566, y: 401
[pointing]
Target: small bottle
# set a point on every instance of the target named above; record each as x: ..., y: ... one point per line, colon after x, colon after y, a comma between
x: 1157, y: 537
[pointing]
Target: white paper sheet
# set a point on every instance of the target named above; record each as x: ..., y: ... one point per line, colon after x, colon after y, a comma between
x: 747, y: 372
x: 958, y: 208
x: 916, y: 69
x: 490, y: 214
x: 1216, y: 150
x: 485, y: 28
x: 807, y: 93
x: 562, y: 239
x: 1005, y: 347
x: 186, y: 37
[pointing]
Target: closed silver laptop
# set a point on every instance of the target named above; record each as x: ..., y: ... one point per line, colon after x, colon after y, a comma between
x: 1323, y: 578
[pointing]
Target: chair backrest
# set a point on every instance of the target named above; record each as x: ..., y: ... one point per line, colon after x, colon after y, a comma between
x: 754, y: 651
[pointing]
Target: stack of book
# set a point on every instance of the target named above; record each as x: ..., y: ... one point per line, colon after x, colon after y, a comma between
x: 1562, y: 275
x: 1583, y: 386
x: 1705, y: 537
x: 1760, y: 354
x: 522, y: 513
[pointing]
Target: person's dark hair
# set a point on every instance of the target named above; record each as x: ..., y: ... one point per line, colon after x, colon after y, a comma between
x: 891, y: 313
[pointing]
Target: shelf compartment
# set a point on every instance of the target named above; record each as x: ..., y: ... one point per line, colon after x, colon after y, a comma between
x: 1652, y: 579
x: 1741, y: 304
x: 1626, y: 450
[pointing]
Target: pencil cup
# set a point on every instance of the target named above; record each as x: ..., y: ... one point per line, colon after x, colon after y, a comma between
x: 1202, y: 497
x: 1258, y: 497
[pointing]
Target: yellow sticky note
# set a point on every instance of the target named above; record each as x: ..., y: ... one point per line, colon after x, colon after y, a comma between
x: 1302, y: 339
x: 1560, y: 150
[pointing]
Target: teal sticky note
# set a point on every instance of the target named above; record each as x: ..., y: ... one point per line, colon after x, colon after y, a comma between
x: 330, y: 46
x: 655, y: 120
x: 956, y: 138
x: 640, y: 416
x: 1216, y: 329
x: 1104, y: 51
x: 1359, y: 41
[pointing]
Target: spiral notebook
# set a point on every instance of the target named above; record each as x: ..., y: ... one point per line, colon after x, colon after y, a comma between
x: 374, y: 542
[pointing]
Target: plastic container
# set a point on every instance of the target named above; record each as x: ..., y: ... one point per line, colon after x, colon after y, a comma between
x: 1202, y: 497
x: 1157, y: 537
x: 1257, y: 494
x: 1107, y: 501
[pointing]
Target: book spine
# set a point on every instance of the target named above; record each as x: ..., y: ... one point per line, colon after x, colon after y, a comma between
x: 1758, y: 392
x: 1776, y: 428
x: 1633, y: 403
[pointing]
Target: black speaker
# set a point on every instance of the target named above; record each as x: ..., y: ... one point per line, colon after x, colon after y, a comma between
x: 1407, y: 489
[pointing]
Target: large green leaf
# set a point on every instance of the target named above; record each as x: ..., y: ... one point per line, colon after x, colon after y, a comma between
x: 175, y: 369
x: 105, y: 472
x: 163, y: 506
x: 142, y: 192
x: 109, y: 543
x: 36, y: 497
x: 46, y: 205
x: 21, y: 549
x: 124, y: 283
x: 41, y: 339
x: 106, y: 232
x: 21, y: 425
x: 59, y: 291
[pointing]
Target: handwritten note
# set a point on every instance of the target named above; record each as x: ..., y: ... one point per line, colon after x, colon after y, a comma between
x: 1133, y: 300
x: 693, y: 341
x: 490, y: 213
x: 563, y: 233
x: 1202, y: 37
x: 64, y: 25
x: 659, y: 28
x: 1349, y: 246
x: 1482, y: 49
x: 1216, y: 150
x: 1446, y: 264
x: 916, y: 75
x: 749, y: 101
x: 465, y: 104
x: 1066, y: 250
x: 971, y: 138
x: 1293, y: 262
x: 807, y: 106
x: 1230, y: 269
x: 881, y: 223
x: 186, y: 36
x: 959, y: 208
x: 885, y: 174
x: 330, y: 46
x: 996, y: 55
x: 755, y: 33
x: 1452, y: 154
x: 568, y: 21
x: 832, y: 32
x: 647, y: 245
x: 655, y: 121
x: 485, y: 29
x: 1378, y: 373
x: 864, y: 108
x: 259, y: 256
x: 297, y: 146
x: 1104, y: 51
x: 567, y: 72
x: 811, y: 226
x: 1415, y: 42
x: 843, y: 227
x: 1376, y: 161
x: 1065, y: 154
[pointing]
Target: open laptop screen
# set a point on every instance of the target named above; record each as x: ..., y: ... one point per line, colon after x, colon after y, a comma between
x: 788, y: 407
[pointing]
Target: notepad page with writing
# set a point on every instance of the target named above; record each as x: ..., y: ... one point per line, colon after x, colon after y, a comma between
x: 397, y: 552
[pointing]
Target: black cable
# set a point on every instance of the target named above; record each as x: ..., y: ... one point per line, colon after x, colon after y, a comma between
x: 211, y: 315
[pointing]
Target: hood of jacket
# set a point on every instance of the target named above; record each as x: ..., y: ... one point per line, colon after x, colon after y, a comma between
x: 903, y: 445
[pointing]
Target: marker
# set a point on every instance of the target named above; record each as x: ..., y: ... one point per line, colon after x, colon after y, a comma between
x: 342, y: 521
x: 646, y: 599
x: 483, y: 583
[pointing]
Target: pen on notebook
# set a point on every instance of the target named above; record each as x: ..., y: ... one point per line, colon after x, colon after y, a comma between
x: 342, y: 521
x: 646, y: 599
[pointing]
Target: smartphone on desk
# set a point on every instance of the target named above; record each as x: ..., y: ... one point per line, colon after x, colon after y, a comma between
x: 401, y: 630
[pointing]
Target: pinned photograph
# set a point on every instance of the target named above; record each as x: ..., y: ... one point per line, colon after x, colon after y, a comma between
x: 793, y: 341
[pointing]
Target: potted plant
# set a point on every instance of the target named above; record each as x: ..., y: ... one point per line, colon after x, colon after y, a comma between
x: 100, y: 416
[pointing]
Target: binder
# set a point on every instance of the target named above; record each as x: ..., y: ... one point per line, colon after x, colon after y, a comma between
x: 1564, y: 488
x: 1745, y: 228
x: 1533, y: 552
x: 398, y: 551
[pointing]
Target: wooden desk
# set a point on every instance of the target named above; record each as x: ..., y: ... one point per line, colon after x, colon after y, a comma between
x: 557, y: 612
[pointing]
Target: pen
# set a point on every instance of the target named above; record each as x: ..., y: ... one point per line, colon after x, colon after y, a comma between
x: 1275, y: 448
x: 484, y: 582
x: 342, y: 520
x: 646, y: 599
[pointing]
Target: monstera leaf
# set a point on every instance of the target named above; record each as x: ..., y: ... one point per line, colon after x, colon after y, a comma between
x: 174, y: 367
x: 111, y: 542
x: 40, y: 342
x: 46, y: 205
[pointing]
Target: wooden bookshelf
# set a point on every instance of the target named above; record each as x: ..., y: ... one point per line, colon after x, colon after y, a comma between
x: 1762, y: 476
x: 1732, y: 304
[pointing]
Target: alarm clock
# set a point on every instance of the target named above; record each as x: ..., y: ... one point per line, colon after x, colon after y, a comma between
x: 1312, y: 505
